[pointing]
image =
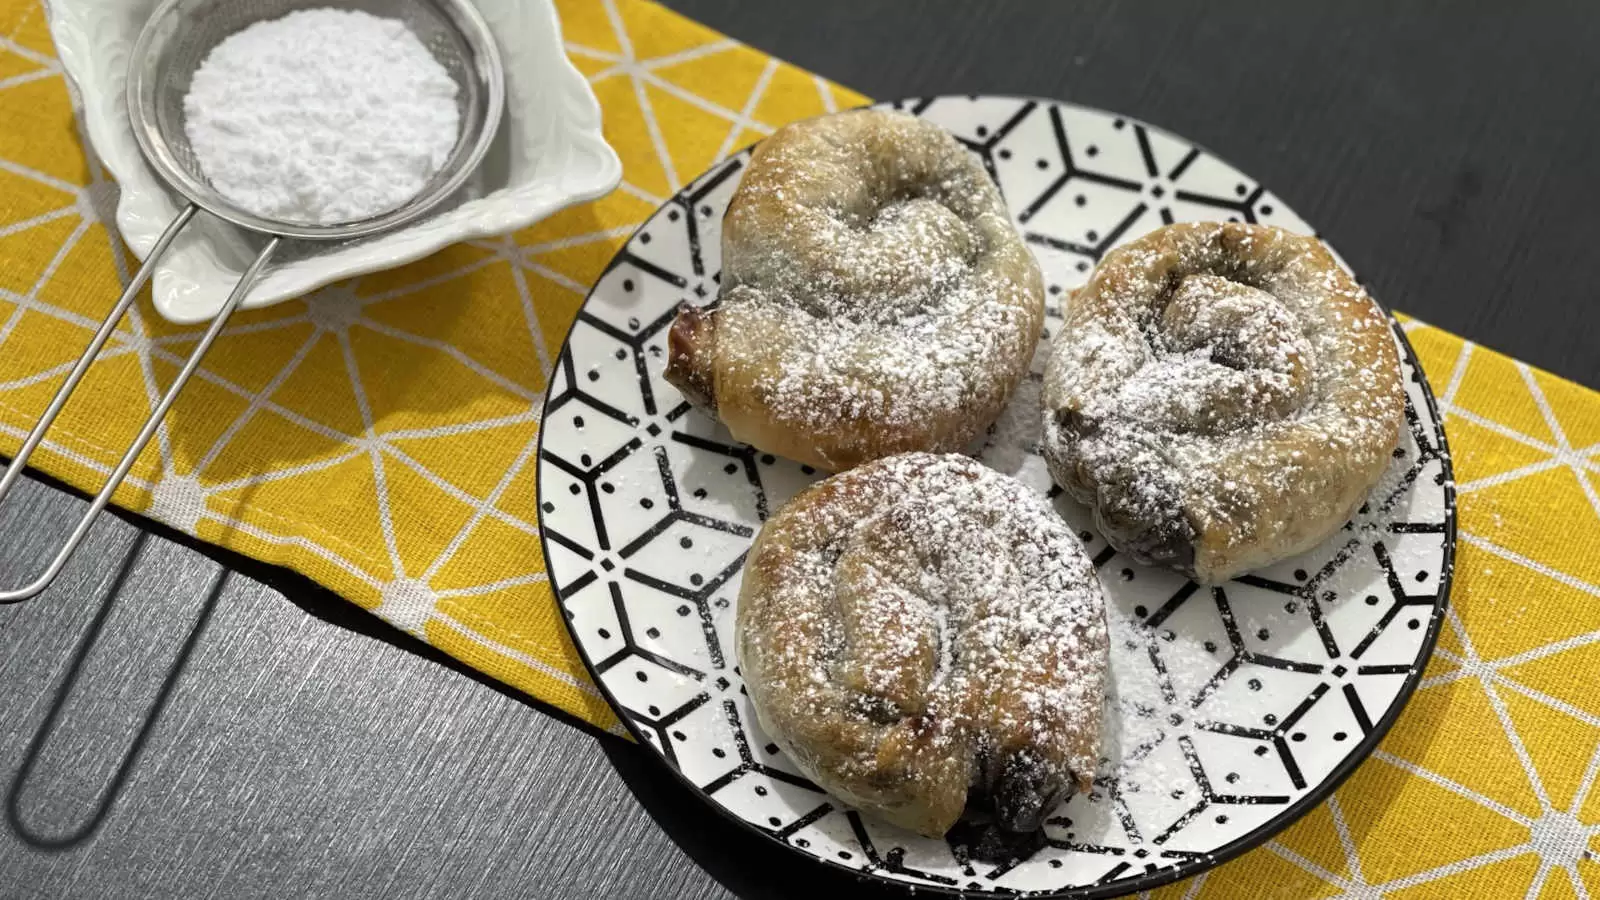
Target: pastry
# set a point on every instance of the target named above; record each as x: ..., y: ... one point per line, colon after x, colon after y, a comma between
x: 922, y: 628
x: 1223, y: 396
x: 875, y: 297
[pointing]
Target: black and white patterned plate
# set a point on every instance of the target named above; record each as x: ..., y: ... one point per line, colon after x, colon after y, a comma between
x: 1233, y: 709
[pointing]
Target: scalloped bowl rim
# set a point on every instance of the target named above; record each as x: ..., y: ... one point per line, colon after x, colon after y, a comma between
x: 93, y: 44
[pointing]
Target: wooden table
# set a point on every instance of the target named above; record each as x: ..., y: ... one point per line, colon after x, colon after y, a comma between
x: 177, y: 721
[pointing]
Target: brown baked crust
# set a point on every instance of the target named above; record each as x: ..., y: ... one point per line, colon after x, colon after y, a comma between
x: 875, y: 297
x: 921, y: 627
x: 691, y: 351
x: 1223, y: 395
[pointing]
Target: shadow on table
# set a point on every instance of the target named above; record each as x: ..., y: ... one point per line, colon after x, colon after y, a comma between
x: 324, y: 604
x: 311, y: 597
x: 35, y: 838
x: 745, y: 863
x: 304, y: 593
x: 316, y: 600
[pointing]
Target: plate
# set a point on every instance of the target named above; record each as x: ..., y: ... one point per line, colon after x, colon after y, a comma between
x: 1233, y: 709
x: 548, y: 154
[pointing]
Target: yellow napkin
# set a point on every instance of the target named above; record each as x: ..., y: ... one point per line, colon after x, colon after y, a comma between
x: 379, y: 436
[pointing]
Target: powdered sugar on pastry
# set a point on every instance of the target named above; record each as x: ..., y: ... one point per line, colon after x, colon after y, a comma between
x: 875, y: 300
x: 923, y: 626
x: 1222, y: 395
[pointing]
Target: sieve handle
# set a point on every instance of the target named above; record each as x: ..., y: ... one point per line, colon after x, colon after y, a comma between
x: 14, y: 472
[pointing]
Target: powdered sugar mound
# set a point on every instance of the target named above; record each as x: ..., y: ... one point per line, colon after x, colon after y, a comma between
x: 323, y: 116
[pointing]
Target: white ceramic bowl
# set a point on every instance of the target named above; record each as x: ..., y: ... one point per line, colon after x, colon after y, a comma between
x: 548, y: 154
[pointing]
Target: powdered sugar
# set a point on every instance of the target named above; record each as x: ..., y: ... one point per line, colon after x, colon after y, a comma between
x: 927, y: 625
x: 322, y: 116
x: 900, y: 373
x: 1219, y: 396
x: 1142, y: 698
x: 875, y: 296
x: 900, y: 326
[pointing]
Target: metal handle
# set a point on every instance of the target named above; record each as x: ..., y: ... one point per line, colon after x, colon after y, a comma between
x: 14, y: 472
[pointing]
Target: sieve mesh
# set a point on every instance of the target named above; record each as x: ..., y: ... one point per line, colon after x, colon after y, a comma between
x: 172, y: 45
x: 183, y: 32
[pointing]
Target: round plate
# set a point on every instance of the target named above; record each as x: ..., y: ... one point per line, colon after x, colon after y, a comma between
x: 1233, y: 709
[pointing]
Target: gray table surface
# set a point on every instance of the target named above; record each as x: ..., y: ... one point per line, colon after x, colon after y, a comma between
x: 176, y: 721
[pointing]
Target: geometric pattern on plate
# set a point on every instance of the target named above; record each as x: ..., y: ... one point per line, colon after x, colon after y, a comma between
x: 1233, y: 709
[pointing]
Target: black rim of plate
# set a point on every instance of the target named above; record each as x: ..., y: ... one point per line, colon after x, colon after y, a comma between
x: 1120, y: 887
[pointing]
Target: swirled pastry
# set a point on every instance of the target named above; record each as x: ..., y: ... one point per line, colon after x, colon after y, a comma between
x: 920, y: 627
x: 1223, y: 396
x: 875, y: 298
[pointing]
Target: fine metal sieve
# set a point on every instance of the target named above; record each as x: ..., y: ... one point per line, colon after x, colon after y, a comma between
x: 173, y: 43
